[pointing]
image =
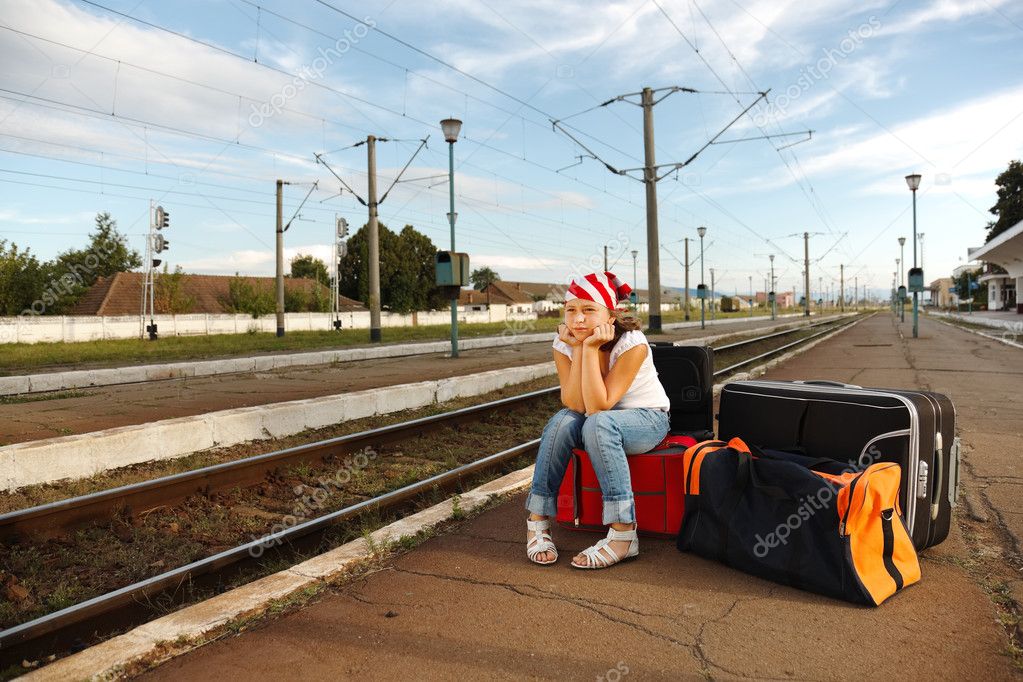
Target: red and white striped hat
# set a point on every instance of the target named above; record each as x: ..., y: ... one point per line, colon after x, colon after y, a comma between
x: 600, y: 287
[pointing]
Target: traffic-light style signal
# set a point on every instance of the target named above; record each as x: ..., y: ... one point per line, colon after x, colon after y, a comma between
x: 162, y: 218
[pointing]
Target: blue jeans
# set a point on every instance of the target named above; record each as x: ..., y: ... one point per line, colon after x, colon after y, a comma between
x: 606, y: 436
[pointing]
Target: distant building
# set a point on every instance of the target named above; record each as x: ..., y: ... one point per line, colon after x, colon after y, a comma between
x: 1006, y: 280
x: 498, y: 293
x: 121, y: 293
x: 784, y: 299
x: 942, y: 292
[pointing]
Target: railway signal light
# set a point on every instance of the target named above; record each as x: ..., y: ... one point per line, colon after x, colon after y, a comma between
x: 162, y: 218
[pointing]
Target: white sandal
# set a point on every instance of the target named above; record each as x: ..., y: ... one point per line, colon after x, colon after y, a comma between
x: 540, y: 541
x: 594, y: 558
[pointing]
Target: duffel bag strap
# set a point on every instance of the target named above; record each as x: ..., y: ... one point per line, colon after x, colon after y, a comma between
x: 577, y: 486
x: 809, y: 464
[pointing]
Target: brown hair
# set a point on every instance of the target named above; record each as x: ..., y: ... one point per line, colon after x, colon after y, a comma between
x: 624, y: 322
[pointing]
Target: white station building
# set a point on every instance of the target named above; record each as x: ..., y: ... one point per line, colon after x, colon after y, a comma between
x: 1005, y: 251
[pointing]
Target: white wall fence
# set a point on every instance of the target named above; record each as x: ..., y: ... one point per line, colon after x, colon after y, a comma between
x: 71, y: 329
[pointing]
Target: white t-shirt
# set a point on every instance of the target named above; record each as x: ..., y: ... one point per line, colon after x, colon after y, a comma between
x: 646, y: 389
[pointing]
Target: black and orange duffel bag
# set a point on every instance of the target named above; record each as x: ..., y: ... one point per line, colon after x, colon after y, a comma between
x: 798, y: 521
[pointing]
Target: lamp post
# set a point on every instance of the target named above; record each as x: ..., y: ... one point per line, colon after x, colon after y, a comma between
x: 916, y: 275
x: 451, y: 127
x: 703, y: 288
x: 635, y: 307
x: 771, y: 293
x: 895, y: 285
x: 895, y: 296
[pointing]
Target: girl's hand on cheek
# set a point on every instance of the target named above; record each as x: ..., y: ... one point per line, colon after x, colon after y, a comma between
x: 602, y: 333
x: 566, y: 335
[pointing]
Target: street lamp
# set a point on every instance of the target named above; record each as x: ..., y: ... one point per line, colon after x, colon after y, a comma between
x: 771, y: 293
x: 451, y: 127
x: 916, y: 274
x: 635, y: 306
x: 702, y: 289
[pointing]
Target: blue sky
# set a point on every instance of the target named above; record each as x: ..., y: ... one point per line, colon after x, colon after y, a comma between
x: 105, y: 106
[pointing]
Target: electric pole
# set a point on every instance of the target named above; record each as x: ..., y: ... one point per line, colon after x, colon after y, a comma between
x: 650, y: 176
x: 280, y: 256
x: 806, y: 272
x: 605, y: 257
x: 713, y: 312
x: 687, y: 279
x: 373, y: 226
x: 841, y: 295
x: 374, y: 241
x: 650, y: 180
x: 751, y: 295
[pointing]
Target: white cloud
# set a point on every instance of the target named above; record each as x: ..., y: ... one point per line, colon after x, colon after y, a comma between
x: 523, y: 263
x: 943, y: 11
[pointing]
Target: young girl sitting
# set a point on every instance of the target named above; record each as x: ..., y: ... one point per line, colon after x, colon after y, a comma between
x: 614, y: 404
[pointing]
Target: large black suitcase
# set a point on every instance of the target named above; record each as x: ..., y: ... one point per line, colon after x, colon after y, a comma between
x: 858, y: 426
x: 687, y: 374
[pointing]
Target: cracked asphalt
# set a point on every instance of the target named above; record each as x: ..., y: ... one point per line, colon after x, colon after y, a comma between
x: 468, y: 604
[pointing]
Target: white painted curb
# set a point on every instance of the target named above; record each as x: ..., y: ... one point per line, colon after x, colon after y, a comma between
x: 86, y: 454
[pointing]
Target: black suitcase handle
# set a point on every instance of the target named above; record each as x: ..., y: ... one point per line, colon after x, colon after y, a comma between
x: 825, y: 382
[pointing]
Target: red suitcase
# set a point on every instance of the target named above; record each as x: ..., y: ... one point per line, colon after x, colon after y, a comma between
x: 656, y: 484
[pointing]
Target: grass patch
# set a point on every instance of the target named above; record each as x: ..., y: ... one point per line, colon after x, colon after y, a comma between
x: 56, y: 395
x: 17, y: 358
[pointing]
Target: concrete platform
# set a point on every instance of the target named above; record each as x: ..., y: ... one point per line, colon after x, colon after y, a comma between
x: 469, y: 604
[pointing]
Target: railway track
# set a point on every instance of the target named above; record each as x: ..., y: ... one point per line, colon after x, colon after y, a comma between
x: 86, y: 622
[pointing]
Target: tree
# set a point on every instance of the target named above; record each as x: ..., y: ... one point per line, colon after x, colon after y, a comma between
x: 1009, y: 207
x: 407, y: 278
x: 482, y: 278
x: 310, y: 268
x: 245, y: 297
x: 22, y: 282
x: 75, y: 270
x: 169, y: 293
x: 970, y: 277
